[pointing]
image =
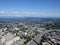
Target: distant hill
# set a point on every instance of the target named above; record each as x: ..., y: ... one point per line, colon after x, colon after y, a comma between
x: 18, y: 19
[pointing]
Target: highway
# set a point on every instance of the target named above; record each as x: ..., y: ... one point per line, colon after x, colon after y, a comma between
x: 38, y: 38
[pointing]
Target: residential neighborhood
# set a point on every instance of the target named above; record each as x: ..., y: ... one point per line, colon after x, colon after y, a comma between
x: 24, y: 33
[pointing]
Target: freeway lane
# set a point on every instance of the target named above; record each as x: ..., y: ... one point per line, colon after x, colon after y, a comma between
x: 38, y: 37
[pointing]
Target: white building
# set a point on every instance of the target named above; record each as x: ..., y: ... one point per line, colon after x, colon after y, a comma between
x: 10, y: 42
x: 9, y: 39
x: 45, y: 43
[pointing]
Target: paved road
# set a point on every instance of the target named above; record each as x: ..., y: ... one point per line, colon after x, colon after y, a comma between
x: 38, y: 38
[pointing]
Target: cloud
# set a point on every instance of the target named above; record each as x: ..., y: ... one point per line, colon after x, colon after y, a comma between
x: 30, y: 14
x: 1, y: 12
x: 18, y: 13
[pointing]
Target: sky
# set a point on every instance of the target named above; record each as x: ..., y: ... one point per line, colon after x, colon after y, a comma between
x: 30, y: 8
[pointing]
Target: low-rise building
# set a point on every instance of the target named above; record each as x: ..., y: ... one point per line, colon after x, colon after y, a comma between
x: 9, y: 39
x: 45, y: 43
